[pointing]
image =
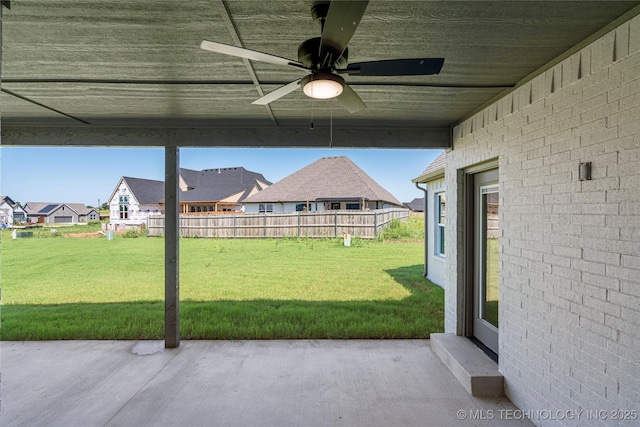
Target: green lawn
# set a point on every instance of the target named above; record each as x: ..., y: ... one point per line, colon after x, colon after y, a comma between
x: 78, y: 288
x: 492, y: 292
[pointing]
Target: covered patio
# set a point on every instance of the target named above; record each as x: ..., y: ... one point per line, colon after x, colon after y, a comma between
x: 132, y: 73
x: 239, y: 383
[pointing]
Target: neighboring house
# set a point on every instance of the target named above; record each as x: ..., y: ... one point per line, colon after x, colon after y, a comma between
x: 134, y: 199
x: 218, y: 190
x: 209, y: 191
x: 416, y: 205
x: 330, y: 183
x: 434, y: 219
x: 87, y: 214
x: 542, y: 234
x: 60, y: 213
x: 11, y: 212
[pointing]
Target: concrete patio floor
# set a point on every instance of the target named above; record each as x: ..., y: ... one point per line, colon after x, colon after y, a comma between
x: 238, y: 383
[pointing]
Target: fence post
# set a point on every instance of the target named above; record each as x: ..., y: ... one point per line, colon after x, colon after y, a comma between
x: 299, y: 224
x: 234, y: 225
x: 265, y: 225
x: 375, y: 225
x: 335, y: 224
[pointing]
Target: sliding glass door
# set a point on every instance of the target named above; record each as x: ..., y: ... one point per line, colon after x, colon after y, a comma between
x: 486, y: 295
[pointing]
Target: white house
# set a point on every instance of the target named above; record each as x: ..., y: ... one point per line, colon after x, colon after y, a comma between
x: 210, y: 191
x: 435, y: 201
x: 134, y: 199
x: 11, y: 212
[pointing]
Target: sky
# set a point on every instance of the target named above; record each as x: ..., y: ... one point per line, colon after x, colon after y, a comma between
x: 88, y: 175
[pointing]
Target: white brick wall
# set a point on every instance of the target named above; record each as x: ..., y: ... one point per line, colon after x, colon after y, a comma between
x: 570, y: 249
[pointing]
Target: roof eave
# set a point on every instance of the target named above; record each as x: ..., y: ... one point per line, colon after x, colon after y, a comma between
x: 429, y: 176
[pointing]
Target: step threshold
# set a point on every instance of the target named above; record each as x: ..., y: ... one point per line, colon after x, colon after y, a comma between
x: 469, y: 364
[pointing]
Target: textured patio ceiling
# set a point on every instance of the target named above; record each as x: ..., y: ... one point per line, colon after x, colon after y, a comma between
x: 131, y: 72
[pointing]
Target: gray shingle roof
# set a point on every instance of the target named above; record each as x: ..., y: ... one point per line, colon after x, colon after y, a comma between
x: 436, y: 166
x: 146, y: 191
x: 217, y: 184
x: 45, y: 208
x: 326, y: 178
x: 189, y: 176
x: 8, y: 199
x: 32, y: 207
x: 416, y: 205
x: 81, y: 208
x: 37, y: 207
x: 208, y: 185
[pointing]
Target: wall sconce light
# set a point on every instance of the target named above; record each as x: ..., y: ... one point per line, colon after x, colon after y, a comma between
x: 584, y: 171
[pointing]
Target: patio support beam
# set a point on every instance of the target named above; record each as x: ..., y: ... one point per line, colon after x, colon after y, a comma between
x: 171, y: 247
x: 244, y: 135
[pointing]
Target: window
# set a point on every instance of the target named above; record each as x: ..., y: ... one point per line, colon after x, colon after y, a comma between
x: 353, y: 206
x: 335, y: 206
x: 265, y: 207
x: 441, y: 210
x: 124, y: 207
x: 301, y: 207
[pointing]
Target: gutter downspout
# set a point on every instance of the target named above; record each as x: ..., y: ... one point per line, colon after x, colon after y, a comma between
x: 426, y: 228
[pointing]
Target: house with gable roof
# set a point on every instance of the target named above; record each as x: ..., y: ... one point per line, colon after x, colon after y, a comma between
x: 134, y: 199
x: 11, y: 212
x: 209, y: 191
x: 60, y: 213
x: 330, y: 183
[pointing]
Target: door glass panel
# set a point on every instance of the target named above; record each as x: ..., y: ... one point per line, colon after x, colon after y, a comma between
x: 484, y: 254
x: 489, y: 301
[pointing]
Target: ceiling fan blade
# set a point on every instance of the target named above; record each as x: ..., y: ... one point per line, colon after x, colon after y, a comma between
x: 248, y: 54
x: 350, y: 100
x: 341, y: 22
x: 278, y: 93
x: 396, y: 67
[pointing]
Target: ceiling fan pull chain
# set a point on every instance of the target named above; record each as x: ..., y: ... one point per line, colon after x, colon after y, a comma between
x: 312, y: 103
x: 331, y: 123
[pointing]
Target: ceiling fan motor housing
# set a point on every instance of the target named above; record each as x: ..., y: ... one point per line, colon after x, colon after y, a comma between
x: 320, y: 9
x: 308, y: 55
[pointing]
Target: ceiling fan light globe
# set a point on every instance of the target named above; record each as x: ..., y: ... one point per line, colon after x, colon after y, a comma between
x: 323, y: 86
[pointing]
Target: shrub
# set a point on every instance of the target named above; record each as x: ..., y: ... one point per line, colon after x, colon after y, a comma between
x: 131, y: 234
x: 412, y: 228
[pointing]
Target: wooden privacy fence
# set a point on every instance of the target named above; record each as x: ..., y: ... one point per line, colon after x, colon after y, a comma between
x: 363, y: 224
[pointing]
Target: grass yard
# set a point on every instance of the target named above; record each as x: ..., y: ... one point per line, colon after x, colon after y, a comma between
x: 82, y: 288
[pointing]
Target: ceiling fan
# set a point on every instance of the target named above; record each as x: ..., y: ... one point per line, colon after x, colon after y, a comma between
x: 325, y: 58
